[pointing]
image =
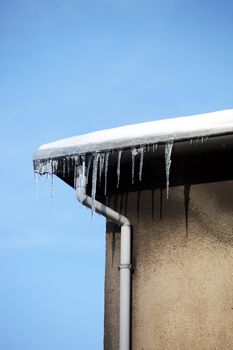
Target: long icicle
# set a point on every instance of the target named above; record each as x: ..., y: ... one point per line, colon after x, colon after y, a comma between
x: 81, y: 172
x: 119, y: 167
x: 63, y: 167
x: 94, y: 180
x: 101, y: 167
x: 68, y: 165
x: 88, y: 167
x: 84, y: 174
x: 83, y: 165
x: 141, y: 162
x: 106, y: 172
x: 168, y: 152
x: 76, y: 165
x: 54, y: 166
x: 133, y: 153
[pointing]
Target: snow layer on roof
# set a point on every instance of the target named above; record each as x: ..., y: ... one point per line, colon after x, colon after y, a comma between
x: 175, y: 129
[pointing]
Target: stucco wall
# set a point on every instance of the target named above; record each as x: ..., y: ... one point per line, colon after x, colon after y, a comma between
x: 182, y: 285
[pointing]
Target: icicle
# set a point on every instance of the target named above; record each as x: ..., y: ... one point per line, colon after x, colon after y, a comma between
x: 106, y: 172
x: 46, y: 167
x: 133, y: 153
x: 53, y: 169
x: 76, y: 164
x: 83, y: 156
x: 168, y: 152
x: 53, y: 165
x: 81, y: 180
x: 72, y: 162
x: 68, y: 165
x: 46, y: 181
x: 141, y: 162
x: 94, y: 180
x: 119, y: 167
x: 191, y: 142
x: 63, y: 167
x: 186, y: 205
x: 75, y: 172
x: 88, y: 167
x: 101, y: 167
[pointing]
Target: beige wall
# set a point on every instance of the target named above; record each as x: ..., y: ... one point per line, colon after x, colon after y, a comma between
x: 182, y: 285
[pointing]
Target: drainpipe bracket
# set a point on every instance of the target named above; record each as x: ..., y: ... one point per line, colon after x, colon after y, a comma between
x: 125, y: 266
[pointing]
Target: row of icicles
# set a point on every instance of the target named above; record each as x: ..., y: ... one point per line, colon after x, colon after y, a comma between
x: 100, y: 163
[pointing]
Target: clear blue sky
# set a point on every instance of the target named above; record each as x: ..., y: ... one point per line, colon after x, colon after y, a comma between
x: 69, y: 67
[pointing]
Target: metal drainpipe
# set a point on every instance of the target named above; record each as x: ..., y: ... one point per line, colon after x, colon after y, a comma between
x: 125, y: 257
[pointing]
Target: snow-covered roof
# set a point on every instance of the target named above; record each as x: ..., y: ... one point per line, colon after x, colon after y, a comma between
x: 175, y: 129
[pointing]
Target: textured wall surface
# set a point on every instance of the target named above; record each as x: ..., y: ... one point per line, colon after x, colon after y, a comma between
x: 182, y: 285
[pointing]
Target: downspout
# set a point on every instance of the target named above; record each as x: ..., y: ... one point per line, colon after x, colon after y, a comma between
x: 125, y: 256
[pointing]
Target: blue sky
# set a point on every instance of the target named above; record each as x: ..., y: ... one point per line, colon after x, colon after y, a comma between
x: 70, y: 67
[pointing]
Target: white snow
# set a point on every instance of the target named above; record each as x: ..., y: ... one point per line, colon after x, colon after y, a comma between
x: 165, y: 130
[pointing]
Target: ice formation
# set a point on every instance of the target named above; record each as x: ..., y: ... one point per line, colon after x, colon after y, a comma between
x: 119, y: 167
x: 88, y: 167
x: 94, y: 179
x: 134, y: 152
x: 92, y: 151
x: 106, y: 172
x: 98, y: 163
x: 101, y: 167
x: 141, y: 162
x: 168, y: 152
x: 88, y: 158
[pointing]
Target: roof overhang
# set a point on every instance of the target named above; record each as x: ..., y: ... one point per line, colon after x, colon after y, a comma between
x: 159, y: 131
x: 202, y: 152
